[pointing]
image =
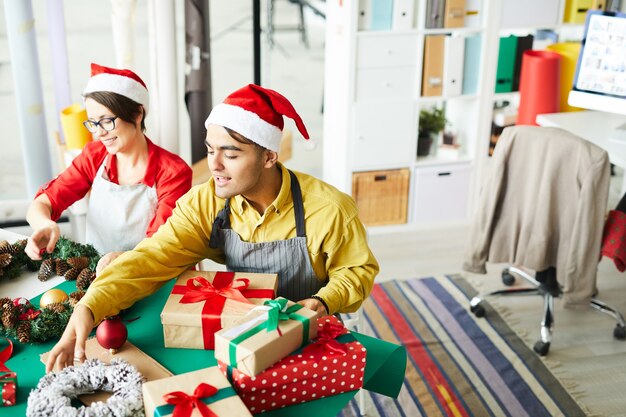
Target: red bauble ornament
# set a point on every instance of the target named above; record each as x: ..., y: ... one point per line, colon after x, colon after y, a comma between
x: 112, y: 333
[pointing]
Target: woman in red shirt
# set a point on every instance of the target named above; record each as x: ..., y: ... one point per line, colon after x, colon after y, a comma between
x: 134, y: 183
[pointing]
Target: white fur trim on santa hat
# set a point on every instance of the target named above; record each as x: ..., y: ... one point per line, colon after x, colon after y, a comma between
x: 246, y: 123
x: 121, y: 85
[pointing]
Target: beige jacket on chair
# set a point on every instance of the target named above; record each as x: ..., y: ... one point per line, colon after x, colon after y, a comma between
x: 543, y: 204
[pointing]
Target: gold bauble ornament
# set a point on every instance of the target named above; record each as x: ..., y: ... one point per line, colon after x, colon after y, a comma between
x: 53, y: 296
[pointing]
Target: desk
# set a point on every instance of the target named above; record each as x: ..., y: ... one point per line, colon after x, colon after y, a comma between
x: 594, y: 126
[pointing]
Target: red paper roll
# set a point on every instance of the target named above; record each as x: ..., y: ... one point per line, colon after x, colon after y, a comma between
x: 539, y: 85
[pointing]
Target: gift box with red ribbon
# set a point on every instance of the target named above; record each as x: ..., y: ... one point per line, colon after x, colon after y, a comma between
x: 271, y: 332
x: 205, y: 393
x: 332, y: 364
x: 8, y: 379
x: 203, y: 302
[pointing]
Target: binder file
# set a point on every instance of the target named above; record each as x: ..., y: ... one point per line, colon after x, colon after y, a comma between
x: 454, y: 15
x: 454, y: 47
x: 432, y: 77
x: 434, y: 14
x: 381, y: 14
x: 506, y: 64
x: 364, y: 14
x: 576, y: 10
x: 403, y: 14
x: 473, y: 13
x: 524, y: 43
x: 471, y: 64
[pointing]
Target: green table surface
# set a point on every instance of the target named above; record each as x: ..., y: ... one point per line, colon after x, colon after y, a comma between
x: 384, y: 360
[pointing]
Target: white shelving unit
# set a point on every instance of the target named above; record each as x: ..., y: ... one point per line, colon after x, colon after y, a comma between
x: 373, y: 96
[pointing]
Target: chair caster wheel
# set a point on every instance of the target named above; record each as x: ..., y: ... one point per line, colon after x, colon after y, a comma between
x: 619, y: 332
x: 508, y: 279
x: 542, y: 348
x: 478, y: 310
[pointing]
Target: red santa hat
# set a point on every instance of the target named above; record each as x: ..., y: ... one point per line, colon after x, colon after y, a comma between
x: 121, y: 81
x: 257, y: 114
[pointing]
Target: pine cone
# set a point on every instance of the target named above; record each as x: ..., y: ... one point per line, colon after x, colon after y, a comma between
x: 79, y: 262
x: 9, y: 315
x: 18, y: 247
x: 75, y: 297
x: 56, y: 307
x: 72, y: 274
x: 61, y: 267
x: 3, y: 301
x: 5, y: 259
x: 23, y: 332
x: 85, y: 278
x: 46, y: 270
x: 5, y: 246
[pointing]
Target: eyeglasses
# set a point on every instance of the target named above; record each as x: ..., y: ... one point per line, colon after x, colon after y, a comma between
x: 107, y: 123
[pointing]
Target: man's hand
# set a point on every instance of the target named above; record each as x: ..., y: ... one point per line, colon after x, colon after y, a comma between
x: 315, y: 305
x: 71, y: 347
x: 42, y: 239
x: 106, y: 260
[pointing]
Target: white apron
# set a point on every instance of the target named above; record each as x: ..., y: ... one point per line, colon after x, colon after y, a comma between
x: 118, y: 215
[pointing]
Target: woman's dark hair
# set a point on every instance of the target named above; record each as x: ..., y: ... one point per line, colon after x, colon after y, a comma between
x: 121, y: 106
x: 242, y: 139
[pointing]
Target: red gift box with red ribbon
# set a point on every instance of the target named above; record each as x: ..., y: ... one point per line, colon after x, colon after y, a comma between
x: 331, y: 364
x: 8, y: 379
x: 203, y: 302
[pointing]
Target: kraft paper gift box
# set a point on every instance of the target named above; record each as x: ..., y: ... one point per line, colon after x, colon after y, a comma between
x: 8, y: 378
x: 332, y: 364
x: 204, y: 302
x: 268, y: 334
x: 187, y: 392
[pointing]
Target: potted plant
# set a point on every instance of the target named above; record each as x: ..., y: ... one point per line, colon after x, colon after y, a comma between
x: 431, y: 123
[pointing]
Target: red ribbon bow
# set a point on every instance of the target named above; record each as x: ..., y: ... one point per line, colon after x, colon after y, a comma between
x: 184, y: 404
x: 326, y: 345
x: 5, y: 354
x: 224, y: 286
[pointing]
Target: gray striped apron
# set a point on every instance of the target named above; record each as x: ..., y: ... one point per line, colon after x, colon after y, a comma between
x: 287, y: 258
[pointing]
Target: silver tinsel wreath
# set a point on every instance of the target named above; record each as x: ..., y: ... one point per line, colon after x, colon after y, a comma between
x: 55, y: 391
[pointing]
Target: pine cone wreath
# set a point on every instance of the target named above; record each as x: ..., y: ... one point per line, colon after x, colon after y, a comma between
x: 9, y: 315
x: 23, y: 331
x: 75, y: 297
x: 85, y: 278
x: 56, y: 307
x: 61, y: 267
x: 5, y: 246
x: 72, y: 274
x: 5, y: 259
x: 46, y: 270
x: 79, y: 262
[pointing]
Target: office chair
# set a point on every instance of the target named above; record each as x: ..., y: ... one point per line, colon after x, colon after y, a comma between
x: 542, y: 209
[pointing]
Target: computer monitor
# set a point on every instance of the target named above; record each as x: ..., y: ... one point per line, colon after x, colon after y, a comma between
x: 600, y: 79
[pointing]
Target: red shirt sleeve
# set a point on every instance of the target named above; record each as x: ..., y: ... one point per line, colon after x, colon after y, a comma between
x: 172, y: 180
x: 75, y: 181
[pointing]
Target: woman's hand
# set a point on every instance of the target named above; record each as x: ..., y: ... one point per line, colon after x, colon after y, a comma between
x: 106, y: 260
x: 71, y: 347
x: 44, y: 238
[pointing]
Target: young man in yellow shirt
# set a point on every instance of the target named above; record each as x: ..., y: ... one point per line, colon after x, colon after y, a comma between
x: 254, y: 215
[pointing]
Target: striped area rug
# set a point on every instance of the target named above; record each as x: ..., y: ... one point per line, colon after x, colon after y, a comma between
x: 458, y: 365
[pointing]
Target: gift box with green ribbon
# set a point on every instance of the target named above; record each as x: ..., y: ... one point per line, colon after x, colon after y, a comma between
x: 331, y: 364
x: 203, y: 302
x: 204, y: 393
x: 269, y: 333
x: 8, y: 379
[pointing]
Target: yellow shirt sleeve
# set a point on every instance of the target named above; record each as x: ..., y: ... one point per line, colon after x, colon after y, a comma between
x: 178, y: 245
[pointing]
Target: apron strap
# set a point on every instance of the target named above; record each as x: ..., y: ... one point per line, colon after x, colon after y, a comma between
x: 222, y: 221
x: 298, y: 206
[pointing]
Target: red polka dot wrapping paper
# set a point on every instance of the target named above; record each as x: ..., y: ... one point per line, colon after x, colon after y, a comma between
x: 8, y: 384
x: 301, y: 378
